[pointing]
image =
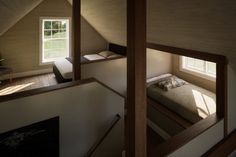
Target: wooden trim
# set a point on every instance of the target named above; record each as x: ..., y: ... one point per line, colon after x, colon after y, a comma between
x: 76, y: 39
x: 189, y: 53
x: 53, y: 88
x: 111, y: 89
x: 170, y: 114
x: 45, y: 89
x: 224, y: 147
x: 101, y: 60
x: 136, y: 79
x: 122, y: 50
x: 99, y: 142
x: 185, y: 136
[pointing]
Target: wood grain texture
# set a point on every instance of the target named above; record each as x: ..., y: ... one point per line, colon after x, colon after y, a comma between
x: 136, y: 79
x: 27, y: 83
x: 76, y: 39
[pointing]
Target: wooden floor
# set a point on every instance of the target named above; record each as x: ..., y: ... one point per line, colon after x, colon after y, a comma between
x: 27, y: 83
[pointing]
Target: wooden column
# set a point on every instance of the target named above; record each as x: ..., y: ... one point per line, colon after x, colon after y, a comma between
x: 76, y: 39
x: 136, y: 79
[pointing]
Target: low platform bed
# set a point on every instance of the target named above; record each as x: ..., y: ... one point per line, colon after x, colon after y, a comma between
x: 63, y: 67
x: 190, y: 102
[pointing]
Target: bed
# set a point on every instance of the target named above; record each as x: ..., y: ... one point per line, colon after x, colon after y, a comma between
x: 189, y: 101
x: 63, y: 68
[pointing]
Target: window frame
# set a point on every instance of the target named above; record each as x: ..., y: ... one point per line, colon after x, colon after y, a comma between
x: 197, y: 73
x: 41, y: 19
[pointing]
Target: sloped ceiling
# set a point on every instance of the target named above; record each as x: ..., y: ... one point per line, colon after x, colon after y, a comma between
x: 200, y: 25
x: 108, y: 17
x: 11, y: 11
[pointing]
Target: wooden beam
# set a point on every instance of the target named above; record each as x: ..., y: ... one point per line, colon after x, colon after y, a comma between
x: 136, y: 77
x: 76, y: 39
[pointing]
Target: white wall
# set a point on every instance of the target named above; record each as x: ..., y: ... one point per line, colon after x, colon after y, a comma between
x: 85, y: 113
x: 202, y: 143
x: 114, y: 73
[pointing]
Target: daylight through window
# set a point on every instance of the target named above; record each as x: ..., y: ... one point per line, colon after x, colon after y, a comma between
x: 199, y: 66
x: 55, y: 39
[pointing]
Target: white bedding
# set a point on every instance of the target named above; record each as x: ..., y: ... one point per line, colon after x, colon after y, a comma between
x: 92, y: 57
x: 65, y: 68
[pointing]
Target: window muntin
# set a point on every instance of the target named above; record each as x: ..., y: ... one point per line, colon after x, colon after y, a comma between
x: 193, y: 65
x: 55, y: 39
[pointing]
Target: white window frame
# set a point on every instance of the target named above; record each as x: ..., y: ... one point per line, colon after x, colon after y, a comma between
x: 195, y: 72
x: 41, y: 37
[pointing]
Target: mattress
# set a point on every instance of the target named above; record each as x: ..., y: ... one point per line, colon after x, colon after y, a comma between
x: 189, y: 101
x: 65, y: 68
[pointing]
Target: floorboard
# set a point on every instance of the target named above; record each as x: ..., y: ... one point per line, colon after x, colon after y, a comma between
x: 27, y: 83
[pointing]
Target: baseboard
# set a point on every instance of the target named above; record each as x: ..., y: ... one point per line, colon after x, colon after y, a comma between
x: 28, y: 73
x: 158, y: 130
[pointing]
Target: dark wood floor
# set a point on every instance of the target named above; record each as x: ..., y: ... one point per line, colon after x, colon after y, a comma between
x: 27, y: 83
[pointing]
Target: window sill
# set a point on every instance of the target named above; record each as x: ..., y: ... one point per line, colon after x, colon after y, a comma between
x: 198, y: 74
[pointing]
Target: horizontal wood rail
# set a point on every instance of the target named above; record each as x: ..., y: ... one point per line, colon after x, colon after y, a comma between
x: 99, y: 141
x: 170, y: 114
x: 53, y: 88
x: 185, y: 136
x: 224, y: 147
x: 189, y: 53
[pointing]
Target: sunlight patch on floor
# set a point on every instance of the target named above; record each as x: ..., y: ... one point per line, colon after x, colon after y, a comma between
x: 205, y: 104
x: 14, y: 89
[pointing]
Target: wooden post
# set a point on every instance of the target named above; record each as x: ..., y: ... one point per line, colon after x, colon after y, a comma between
x: 76, y: 39
x: 136, y: 79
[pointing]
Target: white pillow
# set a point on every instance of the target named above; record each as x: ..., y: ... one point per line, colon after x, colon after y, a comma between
x: 106, y: 53
x: 153, y: 80
x: 114, y: 56
x: 92, y: 57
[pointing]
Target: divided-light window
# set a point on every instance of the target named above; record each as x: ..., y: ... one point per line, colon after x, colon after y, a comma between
x: 199, y: 67
x: 55, y: 39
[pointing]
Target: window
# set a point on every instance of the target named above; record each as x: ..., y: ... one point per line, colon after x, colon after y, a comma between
x: 198, y: 67
x: 55, y: 39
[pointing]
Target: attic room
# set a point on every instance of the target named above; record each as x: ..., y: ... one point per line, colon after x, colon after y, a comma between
x: 116, y: 85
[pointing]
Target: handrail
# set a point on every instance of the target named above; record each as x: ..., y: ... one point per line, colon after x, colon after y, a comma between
x: 42, y: 90
x: 98, y: 142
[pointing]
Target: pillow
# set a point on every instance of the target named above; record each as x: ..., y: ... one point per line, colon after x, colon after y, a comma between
x: 154, y: 80
x: 114, y: 56
x: 106, y: 54
x: 92, y: 57
x: 171, y: 82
